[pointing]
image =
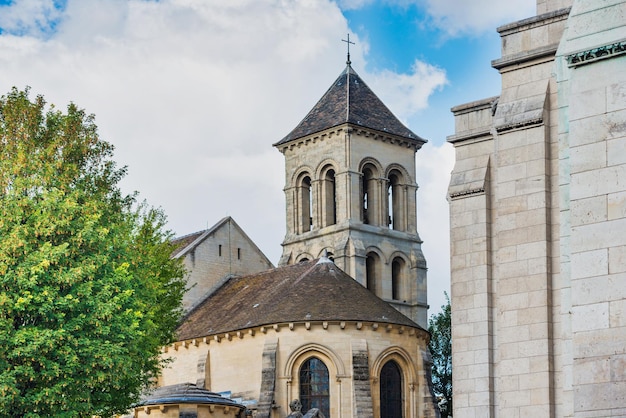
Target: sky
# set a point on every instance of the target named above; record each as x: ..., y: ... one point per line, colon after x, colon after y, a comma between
x: 193, y: 93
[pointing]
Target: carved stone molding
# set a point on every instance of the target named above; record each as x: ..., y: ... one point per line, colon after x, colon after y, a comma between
x: 595, y: 54
x: 467, y: 193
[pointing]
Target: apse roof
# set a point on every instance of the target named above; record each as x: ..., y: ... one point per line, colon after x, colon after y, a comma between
x: 305, y: 292
x: 350, y: 100
x: 186, y: 393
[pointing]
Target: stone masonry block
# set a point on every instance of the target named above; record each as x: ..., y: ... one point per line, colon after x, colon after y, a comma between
x: 590, y: 317
x: 590, y: 210
x: 586, y: 103
x: 590, y: 264
x: 616, y: 92
x: 598, y: 289
x: 588, y: 157
x: 617, y: 259
x: 592, y: 370
x: 596, y: 236
x: 617, y: 316
x: 615, y: 149
x: 603, y: 181
x: 616, y: 205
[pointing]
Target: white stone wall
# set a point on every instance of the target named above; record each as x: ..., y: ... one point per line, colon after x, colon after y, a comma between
x: 538, y: 211
x: 593, y: 161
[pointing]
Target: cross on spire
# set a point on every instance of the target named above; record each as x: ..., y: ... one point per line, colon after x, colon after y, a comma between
x: 348, y: 42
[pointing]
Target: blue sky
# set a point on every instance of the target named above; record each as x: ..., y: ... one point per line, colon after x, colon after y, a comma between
x: 192, y: 93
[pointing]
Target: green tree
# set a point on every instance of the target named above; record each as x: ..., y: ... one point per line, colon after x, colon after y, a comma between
x: 439, y: 326
x: 88, y: 291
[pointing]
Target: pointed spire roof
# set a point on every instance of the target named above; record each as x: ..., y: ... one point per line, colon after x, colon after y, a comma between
x: 350, y: 100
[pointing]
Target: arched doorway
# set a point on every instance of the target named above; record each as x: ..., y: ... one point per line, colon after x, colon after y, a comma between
x: 391, y: 391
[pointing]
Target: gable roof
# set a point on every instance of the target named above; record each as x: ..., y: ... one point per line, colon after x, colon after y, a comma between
x: 350, y: 100
x: 183, y: 245
x: 305, y: 292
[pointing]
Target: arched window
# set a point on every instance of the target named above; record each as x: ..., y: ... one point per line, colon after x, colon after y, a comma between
x: 329, y: 204
x: 397, y: 271
x: 305, y: 221
x: 396, y: 202
x: 391, y: 391
x: 372, y: 272
x: 314, y: 386
x: 370, y: 199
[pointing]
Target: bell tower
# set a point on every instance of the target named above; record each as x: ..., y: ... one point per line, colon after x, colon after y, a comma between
x: 351, y: 192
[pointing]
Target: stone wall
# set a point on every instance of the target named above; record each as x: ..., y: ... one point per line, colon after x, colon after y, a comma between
x: 537, y: 196
x: 353, y: 352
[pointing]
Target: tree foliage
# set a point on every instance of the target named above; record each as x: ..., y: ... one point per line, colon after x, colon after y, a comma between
x: 88, y: 291
x: 439, y: 326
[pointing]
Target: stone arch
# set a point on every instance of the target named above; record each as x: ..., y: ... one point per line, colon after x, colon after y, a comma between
x: 324, y: 165
x: 305, y: 169
x: 327, y: 252
x: 402, y: 357
x: 324, y: 353
x: 304, y: 257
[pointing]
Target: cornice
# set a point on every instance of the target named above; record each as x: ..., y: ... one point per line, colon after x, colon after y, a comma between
x: 529, y: 123
x: 415, y: 332
x: 350, y: 128
x: 596, y: 54
x: 535, y: 21
x: 467, y: 193
x: 478, y: 134
x: 544, y: 53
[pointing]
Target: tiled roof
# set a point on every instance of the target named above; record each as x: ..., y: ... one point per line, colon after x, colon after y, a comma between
x: 180, y: 243
x: 304, y: 292
x: 350, y: 100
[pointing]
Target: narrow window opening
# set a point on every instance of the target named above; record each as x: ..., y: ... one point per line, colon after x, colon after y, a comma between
x: 329, y: 195
x: 372, y: 274
x: 219, y: 250
x: 305, y: 205
x: 395, y: 203
x: 238, y: 253
x: 368, y: 197
x: 314, y: 386
x: 397, y: 267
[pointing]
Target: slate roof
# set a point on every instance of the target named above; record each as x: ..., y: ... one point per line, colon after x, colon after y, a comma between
x: 180, y: 243
x: 186, y: 393
x: 305, y: 292
x: 350, y: 100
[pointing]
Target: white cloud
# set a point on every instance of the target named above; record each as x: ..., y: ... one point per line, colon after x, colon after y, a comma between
x: 193, y: 93
x: 406, y: 94
x: 463, y: 17
x: 28, y: 17
x: 434, y: 165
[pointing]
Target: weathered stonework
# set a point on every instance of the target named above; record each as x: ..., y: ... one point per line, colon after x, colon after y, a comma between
x: 536, y: 200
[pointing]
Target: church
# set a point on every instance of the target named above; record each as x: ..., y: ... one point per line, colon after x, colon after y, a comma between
x: 538, y: 221
x: 338, y: 329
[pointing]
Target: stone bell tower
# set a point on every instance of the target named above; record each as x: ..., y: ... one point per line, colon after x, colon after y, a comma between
x: 351, y: 192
